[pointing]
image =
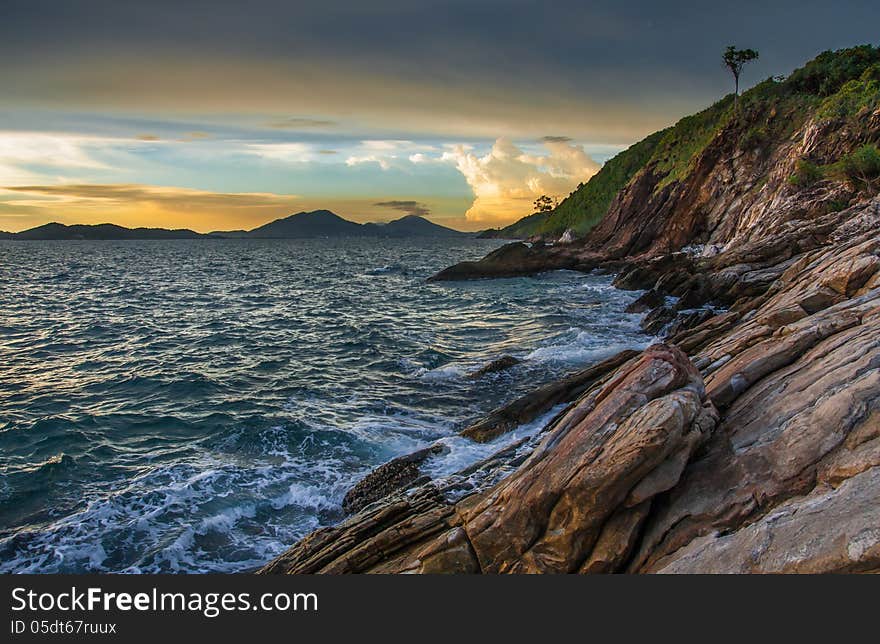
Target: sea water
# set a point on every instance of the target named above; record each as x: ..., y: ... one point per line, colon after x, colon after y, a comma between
x: 199, y: 405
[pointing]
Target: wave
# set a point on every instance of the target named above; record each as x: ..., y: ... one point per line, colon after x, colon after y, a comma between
x: 249, y: 512
x: 202, y: 420
x: 386, y: 269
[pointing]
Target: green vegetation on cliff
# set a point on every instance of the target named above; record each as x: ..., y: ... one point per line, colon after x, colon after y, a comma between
x: 584, y: 207
x: 835, y: 85
x: 859, y: 168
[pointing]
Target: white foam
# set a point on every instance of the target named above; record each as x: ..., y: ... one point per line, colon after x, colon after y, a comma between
x: 156, y: 509
x: 461, y: 452
x: 581, y: 350
x: 446, y: 372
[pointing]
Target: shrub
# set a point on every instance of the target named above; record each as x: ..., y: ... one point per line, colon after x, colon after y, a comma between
x: 854, y: 96
x: 806, y: 174
x: 755, y: 137
x: 825, y: 74
x: 861, y: 168
x: 836, y: 205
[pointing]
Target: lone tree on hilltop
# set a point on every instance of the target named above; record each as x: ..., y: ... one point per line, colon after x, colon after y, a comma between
x: 734, y: 59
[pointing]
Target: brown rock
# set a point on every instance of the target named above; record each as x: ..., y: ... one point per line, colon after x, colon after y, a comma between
x: 394, y: 475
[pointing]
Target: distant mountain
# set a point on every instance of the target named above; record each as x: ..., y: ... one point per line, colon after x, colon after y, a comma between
x: 318, y: 223
x: 413, y: 226
x: 102, y: 231
x: 323, y: 223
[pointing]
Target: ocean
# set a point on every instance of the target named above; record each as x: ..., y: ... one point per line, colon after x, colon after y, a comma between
x: 200, y: 405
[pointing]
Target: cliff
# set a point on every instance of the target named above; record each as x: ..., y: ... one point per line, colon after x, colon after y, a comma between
x: 669, y: 172
x: 747, y: 439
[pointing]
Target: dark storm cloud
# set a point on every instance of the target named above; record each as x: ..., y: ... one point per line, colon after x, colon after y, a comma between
x: 409, y: 207
x: 624, y: 66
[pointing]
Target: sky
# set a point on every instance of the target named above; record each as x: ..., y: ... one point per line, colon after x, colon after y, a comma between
x: 219, y: 115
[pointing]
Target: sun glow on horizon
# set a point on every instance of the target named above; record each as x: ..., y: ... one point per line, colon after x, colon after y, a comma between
x: 88, y: 178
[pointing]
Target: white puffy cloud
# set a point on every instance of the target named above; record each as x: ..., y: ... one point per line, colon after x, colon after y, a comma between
x: 384, y: 162
x: 506, y: 180
x: 389, y: 152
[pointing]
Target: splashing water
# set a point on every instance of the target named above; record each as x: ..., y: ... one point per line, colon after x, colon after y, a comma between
x: 194, y: 406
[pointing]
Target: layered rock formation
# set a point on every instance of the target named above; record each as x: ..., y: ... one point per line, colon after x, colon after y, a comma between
x: 747, y: 441
x: 760, y: 452
x: 575, y: 504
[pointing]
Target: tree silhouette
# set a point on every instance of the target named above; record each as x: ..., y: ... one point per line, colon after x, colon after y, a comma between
x: 545, y: 203
x: 734, y: 59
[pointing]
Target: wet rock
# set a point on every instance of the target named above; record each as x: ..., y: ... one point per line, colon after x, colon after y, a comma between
x: 657, y: 319
x: 371, y: 539
x: 394, y: 475
x: 648, y: 300
x: 511, y: 260
x: 685, y: 320
x: 499, y: 364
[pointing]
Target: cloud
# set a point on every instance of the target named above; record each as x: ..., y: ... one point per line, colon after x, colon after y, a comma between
x: 126, y: 193
x: 387, y: 152
x: 22, y: 152
x: 556, y: 139
x: 507, y: 180
x: 147, y: 137
x: 297, y: 123
x: 289, y: 152
x: 195, y: 136
x: 383, y: 162
x: 385, y: 145
x: 409, y: 207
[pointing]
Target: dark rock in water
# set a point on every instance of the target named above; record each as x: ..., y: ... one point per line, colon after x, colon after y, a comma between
x: 394, y: 475
x: 511, y: 260
x: 687, y: 320
x: 645, y: 274
x: 499, y: 364
x: 529, y: 407
x: 693, y: 298
x: 658, y: 318
x: 667, y: 322
x: 648, y: 300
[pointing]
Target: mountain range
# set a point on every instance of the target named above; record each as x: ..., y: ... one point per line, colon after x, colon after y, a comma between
x: 302, y: 225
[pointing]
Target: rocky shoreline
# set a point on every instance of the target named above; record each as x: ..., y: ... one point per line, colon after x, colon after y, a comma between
x: 747, y: 441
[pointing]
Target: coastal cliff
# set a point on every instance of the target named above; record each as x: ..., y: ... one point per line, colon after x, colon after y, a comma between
x: 747, y: 439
